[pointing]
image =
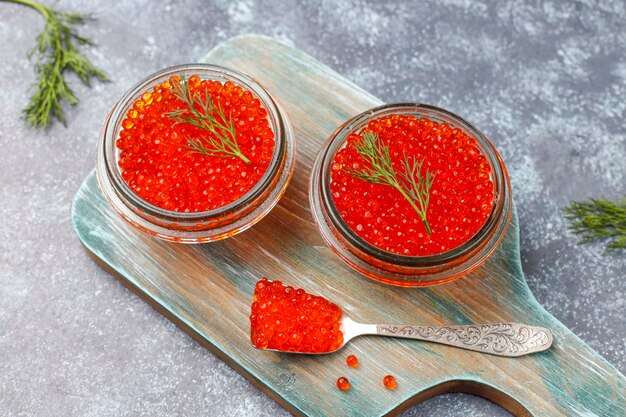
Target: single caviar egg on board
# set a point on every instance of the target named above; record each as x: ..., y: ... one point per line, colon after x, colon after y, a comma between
x: 390, y: 382
x: 352, y: 361
x: 412, y: 186
x: 192, y: 145
x: 292, y: 320
x: 343, y: 383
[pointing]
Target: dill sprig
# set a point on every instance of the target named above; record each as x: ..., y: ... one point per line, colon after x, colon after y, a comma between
x: 205, y: 115
x: 57, y: 54
x: 599, y: 219
x: 413, y: 186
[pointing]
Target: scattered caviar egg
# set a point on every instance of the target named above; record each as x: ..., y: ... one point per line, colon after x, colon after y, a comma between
x: 291, y: 320
x: 390, y: 382
x: 460, y: 198
x: 352, y: 361
x: 343, y: 383
x: 157, y: 158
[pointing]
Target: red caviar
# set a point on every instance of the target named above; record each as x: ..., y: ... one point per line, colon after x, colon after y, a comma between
x: 390, y: 382
x: 461, y: 197
x: 352, y: 361
x: 158, y: 167
x: 293, y: 320
x: 343, y: 383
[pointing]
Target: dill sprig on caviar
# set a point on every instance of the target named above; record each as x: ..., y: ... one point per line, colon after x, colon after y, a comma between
x: 56, y: 55
x: 599, y: 219
x: 205, y: 115
x: 413, y: 186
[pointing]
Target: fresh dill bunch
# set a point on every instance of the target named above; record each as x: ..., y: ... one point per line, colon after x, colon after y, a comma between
x: 202, y: 113
x: 599, y: 219
x: 410, y: 182
x: 56, y: 55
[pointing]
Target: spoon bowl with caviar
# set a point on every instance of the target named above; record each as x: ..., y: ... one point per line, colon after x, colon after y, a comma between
x: 287, y: 319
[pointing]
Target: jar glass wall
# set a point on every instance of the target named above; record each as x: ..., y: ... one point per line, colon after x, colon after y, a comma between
x: 392, y: 268
x: 205, y: 226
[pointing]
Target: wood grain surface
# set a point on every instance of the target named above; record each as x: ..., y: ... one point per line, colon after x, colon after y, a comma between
x: 207, y: 289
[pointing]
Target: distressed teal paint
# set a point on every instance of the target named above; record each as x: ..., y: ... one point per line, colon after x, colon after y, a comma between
x: 207, y: 289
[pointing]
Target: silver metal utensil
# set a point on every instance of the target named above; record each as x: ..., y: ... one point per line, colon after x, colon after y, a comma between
x: 502, y: 339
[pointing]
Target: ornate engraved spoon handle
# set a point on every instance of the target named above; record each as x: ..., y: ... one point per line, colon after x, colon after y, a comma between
x: 502, y: 339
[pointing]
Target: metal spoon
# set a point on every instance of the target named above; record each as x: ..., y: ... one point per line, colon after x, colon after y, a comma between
x: 502, y: 339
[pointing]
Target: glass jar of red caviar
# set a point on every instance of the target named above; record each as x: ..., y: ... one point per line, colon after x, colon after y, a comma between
x: 388, y: 266
x: 195, y: 226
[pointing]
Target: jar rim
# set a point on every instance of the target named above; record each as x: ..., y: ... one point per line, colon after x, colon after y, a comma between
x: 112, y: 126
x: 501, y: 206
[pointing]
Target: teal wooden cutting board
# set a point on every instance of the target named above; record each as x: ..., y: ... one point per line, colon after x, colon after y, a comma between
x: 207, y: 289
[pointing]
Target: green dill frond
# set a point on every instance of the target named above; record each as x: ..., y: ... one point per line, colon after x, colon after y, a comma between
x: 56, y: 55
x: 599, y: 219
x: 378, y: 169
x: 202, y: 113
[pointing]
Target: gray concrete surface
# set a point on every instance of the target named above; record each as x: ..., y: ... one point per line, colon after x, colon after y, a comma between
x: 545, y: 81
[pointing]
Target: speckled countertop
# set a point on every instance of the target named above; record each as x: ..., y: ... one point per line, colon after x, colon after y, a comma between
x: 546, y: 82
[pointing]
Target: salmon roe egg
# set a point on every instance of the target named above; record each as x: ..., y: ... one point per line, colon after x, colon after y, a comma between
x: 292, y: 320
x: 390, y: 382
x: 157, y: 164
x: 352, y: 361
x: 343, y: 383
x: 461, y: 196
